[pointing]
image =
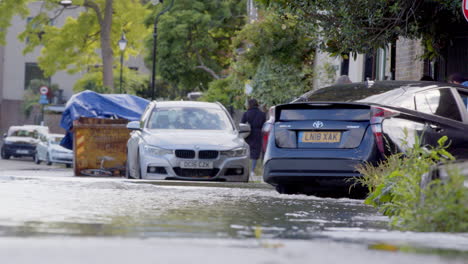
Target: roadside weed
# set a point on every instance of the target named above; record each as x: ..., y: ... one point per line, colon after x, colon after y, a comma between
x: 395, y: 189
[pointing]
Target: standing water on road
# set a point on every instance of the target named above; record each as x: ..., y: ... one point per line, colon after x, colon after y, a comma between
x: 33, y: 207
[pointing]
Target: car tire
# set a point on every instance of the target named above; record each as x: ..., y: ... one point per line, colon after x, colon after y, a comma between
x: 138, y: 169
x: 286, y: 189
x: 4, y: 155
x: 48, y: 162
x: 128, y: 175
x: 36, y: 159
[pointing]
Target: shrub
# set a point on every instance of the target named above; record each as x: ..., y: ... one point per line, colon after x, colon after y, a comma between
x: 395, y: 189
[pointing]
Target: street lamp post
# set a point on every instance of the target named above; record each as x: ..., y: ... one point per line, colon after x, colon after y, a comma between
x: 122, y: 46
x: 155, y: 39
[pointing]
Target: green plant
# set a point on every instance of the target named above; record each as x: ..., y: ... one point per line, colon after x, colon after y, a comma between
x: 445, y: 206
x: 31, y: 95
x: 132, y: 82
x: 395, y: 189
x: 228, y: 92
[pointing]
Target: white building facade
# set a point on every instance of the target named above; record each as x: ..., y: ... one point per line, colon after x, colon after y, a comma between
x: 18, y: 69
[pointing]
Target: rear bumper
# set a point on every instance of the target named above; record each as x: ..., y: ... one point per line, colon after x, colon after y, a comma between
x: 310, y: 171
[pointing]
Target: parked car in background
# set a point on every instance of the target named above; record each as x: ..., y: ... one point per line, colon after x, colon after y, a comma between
x: 49, y: 150
x: 187, y: 140
x: 317, y: 141
x: 21, y: 141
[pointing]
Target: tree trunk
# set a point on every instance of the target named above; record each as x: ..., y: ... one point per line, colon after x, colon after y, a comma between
x: 107, y: 53
x: 105, y: 21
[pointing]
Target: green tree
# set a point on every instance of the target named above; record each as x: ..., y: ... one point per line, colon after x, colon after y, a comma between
x: 275, y: 55
x: 132, y: 83
x: 88, y: 39
x: 194, y: 40
x: 360, y: 26
x: 228, y: 91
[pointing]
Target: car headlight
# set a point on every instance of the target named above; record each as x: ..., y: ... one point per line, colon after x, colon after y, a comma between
x: 237, y: 152
x: 155, y: 151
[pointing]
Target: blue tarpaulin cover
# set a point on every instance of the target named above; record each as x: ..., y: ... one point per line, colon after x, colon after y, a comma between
x: 92, y: 104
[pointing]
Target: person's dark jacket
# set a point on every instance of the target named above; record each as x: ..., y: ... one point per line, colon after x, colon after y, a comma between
x: 255, y: 118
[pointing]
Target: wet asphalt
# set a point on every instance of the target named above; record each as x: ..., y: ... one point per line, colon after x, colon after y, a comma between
x: 49, y: 203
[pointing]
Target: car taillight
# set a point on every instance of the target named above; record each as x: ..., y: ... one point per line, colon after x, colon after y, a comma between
x: 267, y: 126
x: 266, y: 129
x: 377, y: 116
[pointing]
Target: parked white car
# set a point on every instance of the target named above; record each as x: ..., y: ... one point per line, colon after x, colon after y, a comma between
x: 49, y: 150
x: 21, y: 141
x: 187, y: 140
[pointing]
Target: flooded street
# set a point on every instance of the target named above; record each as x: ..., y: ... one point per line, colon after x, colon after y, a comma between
x: 51, y: 206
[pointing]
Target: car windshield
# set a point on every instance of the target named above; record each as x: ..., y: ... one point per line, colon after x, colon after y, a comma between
x: 24, y: 133
x: 55, y: 140
x: 189, y: 118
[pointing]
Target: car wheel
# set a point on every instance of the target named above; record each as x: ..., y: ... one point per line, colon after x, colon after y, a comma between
x: 36, y: 159
x: 286, y: 189
x: 128, y: 175
x: 4, y: 155
x: 138, y: 169
x: 48, y: 162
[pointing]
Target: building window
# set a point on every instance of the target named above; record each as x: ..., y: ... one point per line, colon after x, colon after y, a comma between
x: 33, y: 72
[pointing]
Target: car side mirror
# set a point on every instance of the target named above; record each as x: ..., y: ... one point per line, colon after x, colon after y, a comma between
x: 244, y: 130
x: 134, y: 125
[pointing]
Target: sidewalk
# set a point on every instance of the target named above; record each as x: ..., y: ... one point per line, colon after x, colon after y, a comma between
x: 256, y: 178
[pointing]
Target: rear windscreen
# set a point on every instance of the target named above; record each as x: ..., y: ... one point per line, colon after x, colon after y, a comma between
x: 324, y: 114
x: 351, y: 92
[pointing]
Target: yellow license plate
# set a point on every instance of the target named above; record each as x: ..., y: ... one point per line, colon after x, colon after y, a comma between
x: 321, y: 137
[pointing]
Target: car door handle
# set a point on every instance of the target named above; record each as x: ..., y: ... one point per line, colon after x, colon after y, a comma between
x: 436, y: 128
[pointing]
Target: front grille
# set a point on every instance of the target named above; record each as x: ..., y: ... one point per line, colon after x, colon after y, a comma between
x: 185, y: 153
x: 208, y: 154
x: 196, y: 173
x: 20, y: 146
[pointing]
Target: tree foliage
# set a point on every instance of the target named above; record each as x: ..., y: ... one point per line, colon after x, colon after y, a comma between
x: 86, y: 40
x: 194, y: 38
x: 228, y: 91
x: 362, y: 25
x: 275, y: 56
x: 132, y: 82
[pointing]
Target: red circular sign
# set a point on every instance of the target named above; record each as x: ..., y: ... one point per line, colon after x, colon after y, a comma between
x: 465, y: 8
x: 43, y: 90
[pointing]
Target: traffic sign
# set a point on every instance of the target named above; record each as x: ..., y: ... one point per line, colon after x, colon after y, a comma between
x: 44, y: 90
x: 465, y: 8
x: 43, y: 99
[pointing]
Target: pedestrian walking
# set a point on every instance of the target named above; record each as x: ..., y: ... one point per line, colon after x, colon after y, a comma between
x: 255, y: 118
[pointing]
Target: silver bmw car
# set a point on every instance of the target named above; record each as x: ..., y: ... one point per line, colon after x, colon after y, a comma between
x: 187, y: 140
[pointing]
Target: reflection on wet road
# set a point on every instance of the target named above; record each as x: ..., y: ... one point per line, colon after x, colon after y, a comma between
x: 31, y: 207
x: 117, y: 208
